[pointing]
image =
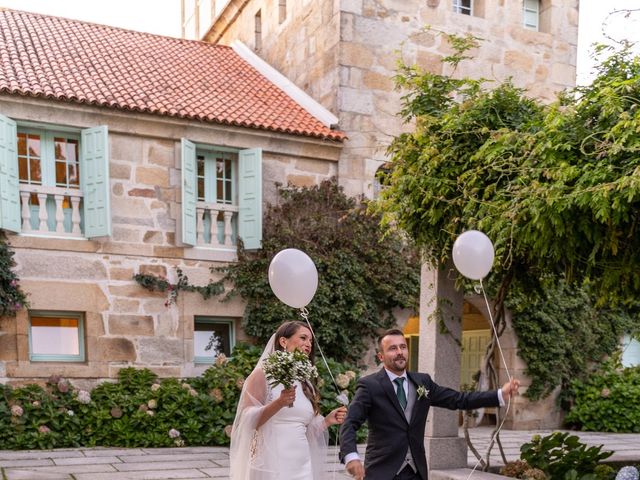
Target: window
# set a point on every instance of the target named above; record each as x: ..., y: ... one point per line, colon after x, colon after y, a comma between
x: 282, y: 10
x: 221, y: 196
x: 630, y: 352
x: 56, y: 337
x: 258, y: 31
x: 381, y: 179
x: 463, y: 6
x: 531, y: 14
x: 211, y: 337
x: 54, y: 181
x: 216, y: 173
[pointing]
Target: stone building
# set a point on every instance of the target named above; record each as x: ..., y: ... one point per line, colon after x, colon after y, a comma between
x: 344, y: 54
x: 122, y: 153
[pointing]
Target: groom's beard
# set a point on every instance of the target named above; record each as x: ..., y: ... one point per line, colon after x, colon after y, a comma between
x: 399, y: 362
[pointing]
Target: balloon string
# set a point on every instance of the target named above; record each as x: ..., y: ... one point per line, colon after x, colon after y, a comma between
x: 504, y: 418
x: 304, y: 313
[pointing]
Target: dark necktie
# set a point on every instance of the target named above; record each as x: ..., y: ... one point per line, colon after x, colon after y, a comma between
x: 402, y: 398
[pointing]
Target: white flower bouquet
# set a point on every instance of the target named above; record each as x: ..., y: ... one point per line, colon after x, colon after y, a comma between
x: 286, y: 367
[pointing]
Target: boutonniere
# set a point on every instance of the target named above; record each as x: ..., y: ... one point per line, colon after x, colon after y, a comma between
x: 422, y: 392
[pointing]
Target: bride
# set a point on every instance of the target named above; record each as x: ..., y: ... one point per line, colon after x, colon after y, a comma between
x: 271, y: 441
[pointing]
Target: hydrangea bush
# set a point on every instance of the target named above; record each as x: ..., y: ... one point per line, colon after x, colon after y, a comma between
x: 607, y: 401
x: 139, y: 410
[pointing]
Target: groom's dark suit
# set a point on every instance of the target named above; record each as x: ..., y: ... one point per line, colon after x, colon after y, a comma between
x: 390, y: 433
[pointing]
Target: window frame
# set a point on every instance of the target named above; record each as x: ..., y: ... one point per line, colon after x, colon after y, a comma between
x: 211, y: 187
x: 528, y: 10
x: 212, y: 320
x: 42, y: 357
x: 48, y: 155
x: 461, y: 9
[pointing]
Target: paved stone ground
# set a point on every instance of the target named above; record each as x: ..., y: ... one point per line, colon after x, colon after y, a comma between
x: 213, y: 462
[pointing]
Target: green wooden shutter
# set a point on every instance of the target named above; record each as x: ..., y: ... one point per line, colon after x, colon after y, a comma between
x: 94, y: 181
x: 9, y: 181
x: 250, y: 197
x: 189, y: 192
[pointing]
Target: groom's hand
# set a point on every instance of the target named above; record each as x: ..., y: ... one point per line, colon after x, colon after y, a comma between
x: 510, y: 388
x: 355, y: 469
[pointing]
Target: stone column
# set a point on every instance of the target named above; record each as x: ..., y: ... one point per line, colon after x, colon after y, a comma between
x: 440, y: 357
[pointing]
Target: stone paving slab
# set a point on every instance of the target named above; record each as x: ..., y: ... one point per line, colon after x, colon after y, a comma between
x: 199, y: 464
x: 69, y: 469
x: 193, y: 463
x: 170, y: 458
x: 40, y: 462
x: 145, y: 475
x: 31, y: 475
x: 89, y: 460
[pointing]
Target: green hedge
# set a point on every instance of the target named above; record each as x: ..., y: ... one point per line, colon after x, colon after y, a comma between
x: 607, y: 401
x: 139, y: 410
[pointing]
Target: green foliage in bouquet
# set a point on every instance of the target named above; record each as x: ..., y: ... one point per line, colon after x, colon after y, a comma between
x: 285, y: 368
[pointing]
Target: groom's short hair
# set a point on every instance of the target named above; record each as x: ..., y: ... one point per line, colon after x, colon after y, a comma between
x: 391, y: 331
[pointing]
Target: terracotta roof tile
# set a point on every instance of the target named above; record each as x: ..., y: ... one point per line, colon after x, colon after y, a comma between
x: 80, y: 62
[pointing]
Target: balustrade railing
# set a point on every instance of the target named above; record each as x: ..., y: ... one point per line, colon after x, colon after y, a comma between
x: 52, y: 211
x: 217, y: 224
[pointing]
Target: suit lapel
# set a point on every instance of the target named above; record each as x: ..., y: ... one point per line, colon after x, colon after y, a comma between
x: 416, y: 404
x: 387, y: 387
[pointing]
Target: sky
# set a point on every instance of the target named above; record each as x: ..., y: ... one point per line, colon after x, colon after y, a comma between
x: 594, y: 18
x: 165, y: 19
x: 152, y: 16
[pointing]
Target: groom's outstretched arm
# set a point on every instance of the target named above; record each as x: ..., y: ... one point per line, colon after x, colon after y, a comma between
x: 357, y: 414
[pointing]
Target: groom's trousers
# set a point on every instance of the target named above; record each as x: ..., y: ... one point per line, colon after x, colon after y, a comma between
x: 407, y: 473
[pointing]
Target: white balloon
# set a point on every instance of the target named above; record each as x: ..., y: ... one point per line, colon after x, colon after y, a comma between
x: 473, y: 254
x: 293, y: 277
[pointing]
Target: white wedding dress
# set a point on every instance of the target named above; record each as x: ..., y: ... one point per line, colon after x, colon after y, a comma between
x: 291, y: 445
x: 288, y: 455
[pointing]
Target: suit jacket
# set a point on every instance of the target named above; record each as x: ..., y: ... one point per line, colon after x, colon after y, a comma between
x: 390, y: 433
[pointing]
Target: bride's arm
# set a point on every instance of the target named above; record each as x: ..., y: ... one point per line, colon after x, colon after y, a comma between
x: 257, y: 392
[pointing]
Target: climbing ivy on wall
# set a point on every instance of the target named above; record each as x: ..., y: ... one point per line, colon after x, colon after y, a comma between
x: 561, y: 330
x: 363, y: 275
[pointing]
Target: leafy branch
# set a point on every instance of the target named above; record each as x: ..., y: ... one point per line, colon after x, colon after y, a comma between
x: 157, y: 283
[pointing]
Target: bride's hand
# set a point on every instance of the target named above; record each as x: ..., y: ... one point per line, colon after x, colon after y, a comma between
x: 287, y: 397
x: 336, y: 417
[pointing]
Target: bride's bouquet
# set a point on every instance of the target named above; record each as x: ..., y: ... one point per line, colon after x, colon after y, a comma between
x: 287, y: 367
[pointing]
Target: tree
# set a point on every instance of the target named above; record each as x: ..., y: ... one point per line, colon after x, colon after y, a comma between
x: 363, y: 275
x: 556, y: 187
x: 12, y: 298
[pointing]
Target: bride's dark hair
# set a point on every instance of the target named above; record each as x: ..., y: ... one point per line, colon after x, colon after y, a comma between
x: 287, y: 330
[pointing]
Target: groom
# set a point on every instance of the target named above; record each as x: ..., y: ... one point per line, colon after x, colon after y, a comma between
x: 395, y: 404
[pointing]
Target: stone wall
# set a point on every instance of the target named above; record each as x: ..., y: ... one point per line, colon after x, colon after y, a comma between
x: 304, y: 47
x: 344, y: 52
x: 125, y: 324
